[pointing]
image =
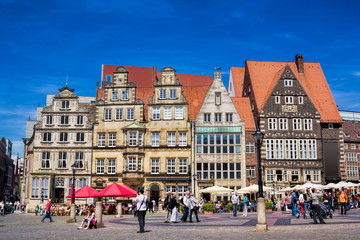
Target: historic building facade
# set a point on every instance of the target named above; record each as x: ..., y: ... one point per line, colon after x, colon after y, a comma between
x: 219, y: 141
x: 293, y: 106
x: 62, y: 140
x: 352, y: 150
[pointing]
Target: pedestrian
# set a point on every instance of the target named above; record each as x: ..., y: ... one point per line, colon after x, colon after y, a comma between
x: 301, y: 202
x: 294, y: 200
x: 166, y: 206
x: 342, y: 199
x: 174, y: 206
x: 47, y: 212
x: 150, y: 207
x: 314, y: 197
x: 235, y: 201
x: 194, y: 206
x: 36, y: 209
x: 245, y: 205
x: 186, y: 204
x: 153, y: 205
x: 2, y: 206
x: 41, y: 208
x: 306, y: 202
x: 141, y: 200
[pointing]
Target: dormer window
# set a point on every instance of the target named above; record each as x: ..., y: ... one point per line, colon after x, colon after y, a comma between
x: 125, y: 95
x: 288, y: 82
x: 346, y: 134
x: 358, y: 135
x: 65, y: 104
x: 114, y: 95
x: 162, y: 94
x: 172, y: 93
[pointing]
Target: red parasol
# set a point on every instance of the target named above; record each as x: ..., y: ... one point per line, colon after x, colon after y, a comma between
x: 85, y: 192
x: 116, y: 190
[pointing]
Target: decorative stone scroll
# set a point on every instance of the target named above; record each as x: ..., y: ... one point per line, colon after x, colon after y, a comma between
x: 289, y: 108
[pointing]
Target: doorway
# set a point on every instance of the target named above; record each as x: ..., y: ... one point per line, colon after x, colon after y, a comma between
x: 155, y: 193
x: 59, y: 195
x: 206, y: 197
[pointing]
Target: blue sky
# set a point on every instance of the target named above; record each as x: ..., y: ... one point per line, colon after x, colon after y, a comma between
x: 43, y: 41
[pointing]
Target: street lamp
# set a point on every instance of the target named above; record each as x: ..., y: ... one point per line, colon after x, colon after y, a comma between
x: 261, y: 214
x: 72, y: 208
x: 274, y: 185
x: 42, y: 195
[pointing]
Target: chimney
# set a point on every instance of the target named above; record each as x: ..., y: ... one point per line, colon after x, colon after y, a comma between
x: 299, y: 63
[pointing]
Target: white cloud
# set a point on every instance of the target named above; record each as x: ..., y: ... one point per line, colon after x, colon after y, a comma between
x: 356, y: 74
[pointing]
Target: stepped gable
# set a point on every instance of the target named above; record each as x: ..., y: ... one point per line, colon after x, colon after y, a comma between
x: 264, y: 75
x: 243, y: 107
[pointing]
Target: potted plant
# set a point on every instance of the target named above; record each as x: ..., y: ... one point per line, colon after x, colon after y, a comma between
x: 181, y: 208
x: 269, y: 206
x: 208, y: 208
x: 230, y: 207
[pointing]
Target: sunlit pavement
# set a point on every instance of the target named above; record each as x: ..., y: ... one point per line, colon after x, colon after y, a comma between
x: 215, y: 226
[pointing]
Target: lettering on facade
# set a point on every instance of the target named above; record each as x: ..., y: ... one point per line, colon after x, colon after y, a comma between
x: 289, y: 108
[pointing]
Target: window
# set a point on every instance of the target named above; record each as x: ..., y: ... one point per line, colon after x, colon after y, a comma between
x: 112, y: 139
x: 316, y: 175
x: 278, y: 175
x: 217, y: 117
x: 156, y: 114
x: 63, y: 137
x: 250, y: 147
x: 45, y: 187
x: 330, y: 126
x: 183, y: 168
x: 293, y: 148
x: 80, y: 120
x: 290, y: 149
x: 107, y: 114
x: 353, y: 146
x: 277, y: 99
x: 272, y: 124
x: 162, y: 94
x: 269, y: 175
x: 182, y: 139
x: 289, y: 100
x: 100, y: 163
x: 229, y: 117
x: 217, y: 98
x: 47, y: 136
x: 35, y: 187
x: 64, y: 120
x: 132, y: 138
x: 79, y: 159
x: 297, y: 124
x: 179, y: 113
x: 65, y: 104
x: 250, y: 171
x: 130, y: 114
x: 80, y: 137
x: 111, y: 166
x: 49, y: 120
x: 288, y: 82
x: 45, y: 160
x: 294, y: 176
x: 132, y: 163
x: 351, y: 157
x: 125, y: 95
x: 167, y: 113
x: 101, y: 139
x: 114, y: 96
x: 119, y: 114
x: 346, y: 146
x: 207, y: 117
x: 171, y: 166
x: 82, y: 183
x: 155, y: 166
x: 279, y: 151
x: 108, y: 77
x: 172, y: 93
x: 171, y: 140
x: 155, y: 139
x: 62, y: 159
x: 352, y: 171
x: 218, y: 143
x: 308, y: 124
x: 301, y: 99
x: 139, y: 164
x: 283, y: 124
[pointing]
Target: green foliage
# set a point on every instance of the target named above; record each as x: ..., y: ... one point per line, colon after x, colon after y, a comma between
x: 230, y: 206
x: 208, y: 207
x: 181, y: 208
x: 268, y: 205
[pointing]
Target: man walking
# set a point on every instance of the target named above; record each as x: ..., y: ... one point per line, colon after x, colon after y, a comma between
x: 294, y: 199
x: 194, y: 208
x: 48, y: 212
x: 235, y: 201
x: 342, y: 199
x: 315, y: 206
x: 166, y: 207
x: 186, y: 204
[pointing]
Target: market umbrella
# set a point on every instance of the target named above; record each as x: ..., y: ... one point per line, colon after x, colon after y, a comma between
x: 117, y: 190
x: 85, y: 192
x: 216, y: 189
x: 253, y: 188
x: 330, y: 185
x: 309, y: 185
x: 345, y: 184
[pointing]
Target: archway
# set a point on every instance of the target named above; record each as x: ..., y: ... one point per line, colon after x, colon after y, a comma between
x: 155, y: 193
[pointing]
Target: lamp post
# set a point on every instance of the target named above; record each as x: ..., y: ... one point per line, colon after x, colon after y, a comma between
x: 261, y: 214
x: 42, y: 195
x: 274, y: 185
x: 72, y: 208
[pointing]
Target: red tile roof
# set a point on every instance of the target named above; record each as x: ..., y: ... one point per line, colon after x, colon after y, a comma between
x: 237, y: 75
x: 242, y: 105
x: 351, y: 131
x: 195, y: 97
x: 264, y: 75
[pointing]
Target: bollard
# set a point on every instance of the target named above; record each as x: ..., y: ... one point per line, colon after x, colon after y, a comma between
x: 261, y: 215
x: 119, y: 210
x: 98, y: 212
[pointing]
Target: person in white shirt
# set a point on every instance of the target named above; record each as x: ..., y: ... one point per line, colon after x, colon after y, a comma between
x: 141, y: 207
x: 235, y: 201
x: 186, y: 204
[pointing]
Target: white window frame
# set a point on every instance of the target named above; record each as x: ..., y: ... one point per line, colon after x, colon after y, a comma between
x: 119, y: 114
x: 107, y: 114
x: 218, y: 98
x: 218, y: 117
x: 112, y: 139
x: 250, y: 147
x: 171, y: 165
x: 100, y: 166
x: 289, y: 100
x: 172, y: 94
x: 277, y: 99
x: 80, y: 120
x: 272, y: 123
x: 47, y: 137
x: 114, y: 95
x: 49, y: 120
x: 45, y: 159
x: 64, y: 120
x: 65, y: 104
x: 155, y: 113
x: 207, y: 117
x: 179, y: 113
x: 228, y: 117
x: 62, y: 160
x: 132, y: 164
x: 80, y: 137
x: 297, y: 124
x: 183, y: 166
x: 79, y: 159
x: 63, y: 136
x: 288, y: 82
x: 155, y: 139
x: 182, y: 139
x: 162, y: 93
x: 167, y: 113
x: 132, y: 136
x: 171, y: 139
x: 35, y: 187
x: 308, y: 124
x: 101, y: 140
x: 130, y: 112
x: 111, y: 166
x: 125, y: 95
x: 269, y: 175
x: 155, y: 166
x: 283, y: 124
x: 301, y: 100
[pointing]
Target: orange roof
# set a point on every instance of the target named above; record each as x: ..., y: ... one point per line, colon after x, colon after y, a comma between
x: 351, y: 131
x: 195, y: 97
x: 237, y: 74
x: 264, y: 75
x: 192, y: 79
x: 141, y: 76
x: 242, y: 105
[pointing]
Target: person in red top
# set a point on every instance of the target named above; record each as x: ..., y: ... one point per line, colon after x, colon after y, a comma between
x: 48, y: 213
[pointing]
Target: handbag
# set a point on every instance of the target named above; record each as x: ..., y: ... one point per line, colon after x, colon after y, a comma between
x: 136, y: 212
